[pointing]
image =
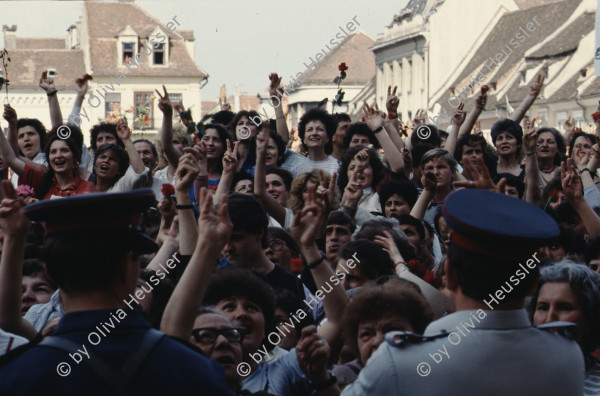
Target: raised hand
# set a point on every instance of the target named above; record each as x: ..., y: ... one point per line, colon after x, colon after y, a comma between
x: 477, y: 129
x: 312, y: 352
x: 530, y: 136
x: 230, y: 160
x: 47, y: 84
x: 353, y: 191
x: 82, y: 85
x: 373, y: 117
x: 392, y: 100
x: 224, y: 105
x: 123, y: 130
x: 326, y: 190
x: 569, y: 125
x: 10, y: 114
x: 214, y: 225
x: 199, y: 153
x: 12, y: 219
x: 481, y: 99
x: 571, y: 183
x: 187, y: 170
x: 307, y: 222
x: 262, y: 140
x: 388, y: 244
x: 459, y: 116
x: 481, y: 177
x: 419, y: 118
x: 274, y: 89
x: 536, y: 86
x: 164, y: 104
x: 429, y: 181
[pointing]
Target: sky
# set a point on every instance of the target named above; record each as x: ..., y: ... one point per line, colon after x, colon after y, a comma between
x: 237, y: 41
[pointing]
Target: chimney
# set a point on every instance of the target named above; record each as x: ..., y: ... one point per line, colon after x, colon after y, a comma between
x: 10, y: 36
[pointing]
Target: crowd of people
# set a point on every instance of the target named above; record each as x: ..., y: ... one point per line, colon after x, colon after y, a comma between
x: 338, y: 257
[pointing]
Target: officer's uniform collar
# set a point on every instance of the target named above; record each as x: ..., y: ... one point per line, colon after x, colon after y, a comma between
x: 481, y: 319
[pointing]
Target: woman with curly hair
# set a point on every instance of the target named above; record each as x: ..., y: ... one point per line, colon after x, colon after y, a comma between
x: 301, y: 184
x: 316, y: 129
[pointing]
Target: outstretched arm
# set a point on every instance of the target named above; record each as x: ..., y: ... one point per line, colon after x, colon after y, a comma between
x: 15, y: 225
x: 230, y: 162
x: 534, y: 91
x: 271, y: 205
x: 391, y: 126
x: 304, y: 230
x: 456, y: 122
x: 14, y: 161
x: 215, y: 228
x: 375, y: 120
x: 480, y: 102
x: 274, y: 91
x: 191, y: 164
x: 166, y: 131
x: 533, y: 193
x: 47, y: 84
x: 124, y: 133
x: 429, y: 185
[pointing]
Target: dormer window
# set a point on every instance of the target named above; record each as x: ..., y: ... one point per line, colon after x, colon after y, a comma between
x: 159, y: 42
x: 127, y: 47
x: 159, y: 54
x: 128, y: 51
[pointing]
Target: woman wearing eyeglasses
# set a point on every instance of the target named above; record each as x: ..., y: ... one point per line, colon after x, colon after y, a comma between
x: 215, y: 335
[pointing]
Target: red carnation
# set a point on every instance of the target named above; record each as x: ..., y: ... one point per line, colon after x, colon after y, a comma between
x: 342, y: 67
x: 177, y: 107
x: 596, y: 115
x: 167, y: 190
x: 87, y: 77
x: 485, y: 88
x: 273, y: 76
x: 553, y: 195
x: 146, y: 117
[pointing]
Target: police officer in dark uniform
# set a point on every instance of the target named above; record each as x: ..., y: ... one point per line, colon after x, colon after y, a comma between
x: 101, y: 346
x: 488, y: 346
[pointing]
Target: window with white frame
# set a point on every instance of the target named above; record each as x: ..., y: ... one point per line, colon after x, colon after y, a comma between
x: 128, y: 51
x: 112, y: 104
x: 158, y: 56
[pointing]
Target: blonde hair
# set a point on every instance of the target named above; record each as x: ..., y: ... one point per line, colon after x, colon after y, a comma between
x: 296, y: 202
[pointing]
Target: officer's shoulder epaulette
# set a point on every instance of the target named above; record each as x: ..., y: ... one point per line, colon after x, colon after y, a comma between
x: 566, y: 329
x: 403, y: 338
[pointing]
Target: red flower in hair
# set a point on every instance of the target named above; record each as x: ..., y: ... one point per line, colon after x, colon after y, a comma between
x: 342, y: 67
x: 167, y: 190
